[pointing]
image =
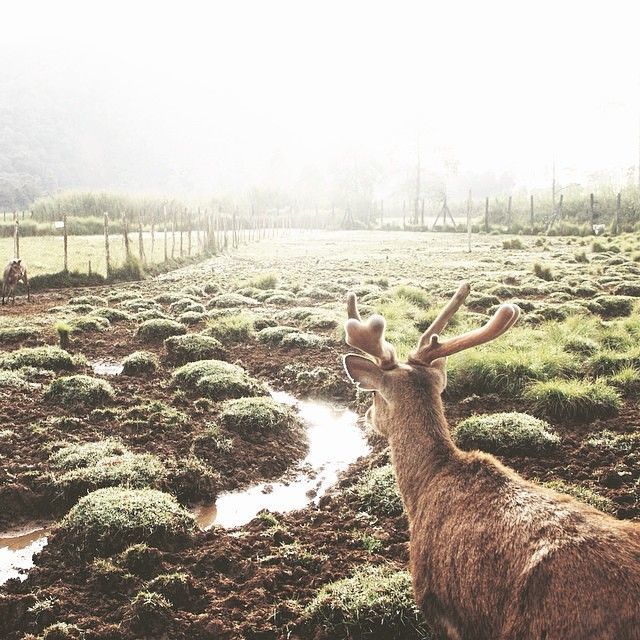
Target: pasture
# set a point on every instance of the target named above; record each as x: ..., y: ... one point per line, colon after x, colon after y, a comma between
x: 169, y: 447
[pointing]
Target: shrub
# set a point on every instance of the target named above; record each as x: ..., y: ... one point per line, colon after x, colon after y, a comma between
x: 140, y: 363
x: 573, y: 399
x: 506, y: 433
x: 192, y: 347
x: 231, y: 328
x: 255, y: 417
x: 159, y: 329
x: 51, y: 358
x: 378, y: 492
x: 108, y: 520
x: 227, y: 300
x: 79, y: 390
x: 583, y: 494
x: 375, y: 602
x: 217, y: 380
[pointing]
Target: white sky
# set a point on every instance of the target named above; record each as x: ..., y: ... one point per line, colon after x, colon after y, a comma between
x: 259, y: 90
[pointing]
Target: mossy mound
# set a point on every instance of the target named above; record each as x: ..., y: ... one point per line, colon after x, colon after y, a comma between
x: 13, y: 380
x: 79, y: 390
x: 192, y: 317
x: 228, y: 300
x: 231, y: 328
x: 140, y: 363
x: 193, y: 347
x: 217, y: 380
x: 51, y: 358
x: 135, y: 305
x: 274, y: 335
x: 112, y: 315
x: 89, y: 324
x: 81, y: 468
x: 94, y: 301
x: 573, y: 399
x: 186, y: 304
x: 303, y: 340
x: 611, y: 306
x: 375, y: 602
x: 158, y: 329
x: 378, y: 492
x: 506, y: 433
x: 108, y: 520
x: 253, y: 418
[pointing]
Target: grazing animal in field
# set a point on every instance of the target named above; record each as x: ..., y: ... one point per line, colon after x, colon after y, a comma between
x: 13, y: 273
x: 492, y: 556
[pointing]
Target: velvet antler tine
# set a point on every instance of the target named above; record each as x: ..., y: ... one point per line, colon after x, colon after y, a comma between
x: 439, y: 324
x: 503, y: 319
x: 368, y: 336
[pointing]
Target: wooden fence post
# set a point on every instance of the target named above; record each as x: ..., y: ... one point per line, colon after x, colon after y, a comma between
x: 16, y: 238
x: 107, y: 255
x: 531, y: 214
x: 125, y: 236
x: 140, y: 238
x: 174, y: 220
x: 65, y: 241
x: 486, y: 215
x: 164, y: 229
x: 618, y: 208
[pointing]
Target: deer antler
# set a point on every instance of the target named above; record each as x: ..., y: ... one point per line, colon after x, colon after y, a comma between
x: 369, y: 336
x: 430, y: 347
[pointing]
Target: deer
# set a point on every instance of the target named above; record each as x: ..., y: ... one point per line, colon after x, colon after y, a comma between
x: 492, y: 556
x: 13, y: 273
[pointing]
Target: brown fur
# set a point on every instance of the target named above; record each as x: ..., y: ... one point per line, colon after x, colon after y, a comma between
x: 494, y: 557
x: 13, y: 273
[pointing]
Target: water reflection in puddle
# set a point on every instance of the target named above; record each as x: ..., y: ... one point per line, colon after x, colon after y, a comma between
x: 106, y: 368
x: 335, y: 441
x: 17, y: 549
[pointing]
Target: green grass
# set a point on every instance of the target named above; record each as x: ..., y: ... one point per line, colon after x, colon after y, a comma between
x: 217, y: 380
x: 108, y: 520
x: 303, y: 340
x: 378, y: 492
x: 12, y: 380
x: 415, y: 295
x: 267, y: 280
x: 611, y: 306
x: 158, y: 329
x: 618, y: 443
x: 506, y: 433
x: 88, y: 324
x: 192, y: 347
x: 79, y: 391
x: 51, y: 358
x: 256, y: 417
x: 274, y: 335
x: 573, y: 399
x: 374, y: 602
x: 140, y: 363
x: 154, y: 415
x: 236, y: 327
x: 229, y: 300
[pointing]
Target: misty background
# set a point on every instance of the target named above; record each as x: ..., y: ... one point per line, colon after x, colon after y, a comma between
x: 317, y: 103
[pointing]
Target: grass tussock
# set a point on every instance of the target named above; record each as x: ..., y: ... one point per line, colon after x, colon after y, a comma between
x: 110, y: 519
x: 159, y: 329
x: 79, y: 391
x: 51, y: 358
x: 193, y: 347
x: 236, y: 327
x: 506, y: 433
x: 253, y: 418
x: 378, y: 492
x: 140, y: 363
x: 374, y: 602
x: 573, y: 399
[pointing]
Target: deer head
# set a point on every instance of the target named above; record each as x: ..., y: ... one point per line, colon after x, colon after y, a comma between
x: 397, y: 384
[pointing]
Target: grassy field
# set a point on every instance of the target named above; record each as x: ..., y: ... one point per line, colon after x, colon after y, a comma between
x: 44, y: 254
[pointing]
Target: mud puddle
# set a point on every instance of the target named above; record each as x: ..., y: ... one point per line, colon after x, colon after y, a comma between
x: 335, y: 441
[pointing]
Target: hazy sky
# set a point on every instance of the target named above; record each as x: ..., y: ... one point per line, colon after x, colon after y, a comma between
x: 233, y: 93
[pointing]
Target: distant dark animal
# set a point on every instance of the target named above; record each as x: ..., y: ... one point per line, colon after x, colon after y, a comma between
x: 493, y: 557
x: 13, y: 273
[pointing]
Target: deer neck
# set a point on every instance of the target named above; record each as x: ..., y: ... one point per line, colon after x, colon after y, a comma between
x: 420, y: 444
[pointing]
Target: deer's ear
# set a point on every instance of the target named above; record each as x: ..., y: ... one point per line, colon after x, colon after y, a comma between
x: 363, y: 372
x: 440, y: 365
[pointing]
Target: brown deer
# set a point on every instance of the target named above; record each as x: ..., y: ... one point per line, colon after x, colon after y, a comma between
x: 13, y: 273
x: 492, y: 556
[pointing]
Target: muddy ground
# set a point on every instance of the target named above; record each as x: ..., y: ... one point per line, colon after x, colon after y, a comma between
x: 239, y: 586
